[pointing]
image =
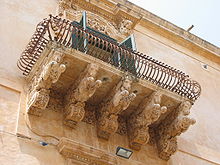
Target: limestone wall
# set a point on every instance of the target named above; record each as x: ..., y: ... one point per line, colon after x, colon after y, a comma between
x: 201, y: 142
x: 200, y: 145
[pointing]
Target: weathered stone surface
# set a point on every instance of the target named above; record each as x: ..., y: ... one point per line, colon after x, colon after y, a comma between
x: 118, y: 101
x: 138, y: 123
x: 43, y: 80
x: 202, y: 141
x: 86, y: 85
x: 169, y: 129
x: 84, y: 154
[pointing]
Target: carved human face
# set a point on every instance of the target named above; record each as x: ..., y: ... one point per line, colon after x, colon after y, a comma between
x: 92, y: 70
x: 155, y: 115
x: 185, y: 107
x: 157, y: 97
x: 127, y: 84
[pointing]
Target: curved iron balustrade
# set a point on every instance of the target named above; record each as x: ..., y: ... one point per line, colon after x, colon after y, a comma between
x: 64, y: 32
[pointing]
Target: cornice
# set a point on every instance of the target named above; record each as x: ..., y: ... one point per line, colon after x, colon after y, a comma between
x: 112, y: 9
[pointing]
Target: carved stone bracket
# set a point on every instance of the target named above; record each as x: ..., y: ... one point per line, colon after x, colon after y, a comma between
x: 149, y: 112
x: 79, y: 93
x: 117, y: 102
x: 169, y: 129
x: 82, y: 154
x: 39, y: 93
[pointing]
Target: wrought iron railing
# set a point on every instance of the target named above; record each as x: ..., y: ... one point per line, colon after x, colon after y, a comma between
x: 70, y: 35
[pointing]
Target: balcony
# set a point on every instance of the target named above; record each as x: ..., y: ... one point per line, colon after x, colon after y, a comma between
x: 98, y: 81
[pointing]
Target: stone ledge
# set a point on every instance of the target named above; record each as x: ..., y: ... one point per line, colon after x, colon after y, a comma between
x: 84, y: 154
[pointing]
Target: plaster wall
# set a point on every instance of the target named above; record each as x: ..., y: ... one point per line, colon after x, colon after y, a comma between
x: 199, y: 145
x: 203, y: 136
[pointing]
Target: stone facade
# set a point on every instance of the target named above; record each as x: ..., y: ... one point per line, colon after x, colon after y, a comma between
x: 77, y: 109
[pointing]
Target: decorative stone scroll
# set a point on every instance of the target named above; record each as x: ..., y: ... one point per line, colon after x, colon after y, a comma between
x: 79, y: 93
x: 169, y: 129
x: 149, y: 112
x: 39, y: 94
x: 81, y: 154
x: 117, y: 102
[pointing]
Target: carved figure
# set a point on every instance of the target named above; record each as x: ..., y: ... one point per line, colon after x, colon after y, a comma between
x: 168, y: 131
x: 86, y: 89
x: 119, y: 101
x: 50, y: 74
x: 86, y: 86
x: 39, y: 94
x: 139, y: 122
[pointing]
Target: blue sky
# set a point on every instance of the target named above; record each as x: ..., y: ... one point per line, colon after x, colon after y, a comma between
x: 203, y: 14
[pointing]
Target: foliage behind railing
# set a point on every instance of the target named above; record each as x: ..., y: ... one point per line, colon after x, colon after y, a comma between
x: 64, y: 32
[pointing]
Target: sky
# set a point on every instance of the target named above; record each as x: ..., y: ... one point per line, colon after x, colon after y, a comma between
x: 203, y: 14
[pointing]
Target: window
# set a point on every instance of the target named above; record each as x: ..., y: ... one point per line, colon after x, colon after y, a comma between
x: 81, y: 43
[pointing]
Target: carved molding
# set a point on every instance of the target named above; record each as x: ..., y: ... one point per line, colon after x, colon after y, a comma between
x: 42, y: 82
x: 138, y: 123
x: 125, y: 26
x: 170, y: 129
x: 117, y: 103
x: 83, y: 154
x: 114, y: 24
x: 80, y: 92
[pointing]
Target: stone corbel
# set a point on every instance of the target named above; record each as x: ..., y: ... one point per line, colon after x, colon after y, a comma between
x: 167, y: 142
x: 118, y: 102
x: 39, y: 93
x: 138, y: 123
x: 79, y: 93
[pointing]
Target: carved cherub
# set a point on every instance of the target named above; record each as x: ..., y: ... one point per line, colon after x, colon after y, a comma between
x: 91, y: 70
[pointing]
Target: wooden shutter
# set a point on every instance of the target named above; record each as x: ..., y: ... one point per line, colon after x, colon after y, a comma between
x: 127, y: 62
x: 79, y: 40
x: 129, y: 42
